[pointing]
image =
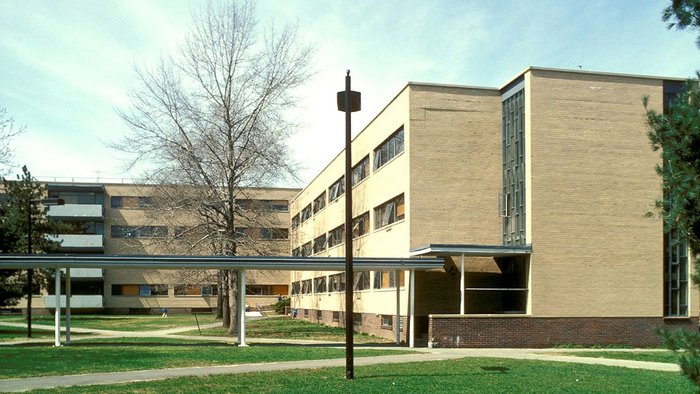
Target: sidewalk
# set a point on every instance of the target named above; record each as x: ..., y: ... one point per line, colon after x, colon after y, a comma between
x: 48, y: 382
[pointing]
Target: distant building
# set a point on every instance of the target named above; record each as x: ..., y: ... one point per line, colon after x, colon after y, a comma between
x: 115, y: 218
x: 545, y: 187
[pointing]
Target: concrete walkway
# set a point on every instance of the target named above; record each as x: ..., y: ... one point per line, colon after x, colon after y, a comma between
x: 422, y: 355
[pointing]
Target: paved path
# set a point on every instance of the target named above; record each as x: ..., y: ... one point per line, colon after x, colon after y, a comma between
x: 48, y: 382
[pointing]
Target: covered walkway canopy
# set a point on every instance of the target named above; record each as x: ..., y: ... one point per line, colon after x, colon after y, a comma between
x: 238, y: 263
x: 448, y: 250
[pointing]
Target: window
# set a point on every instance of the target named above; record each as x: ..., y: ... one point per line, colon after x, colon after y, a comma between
x: 336, y: 282
x: 357, y: 319
x: 320, y: 244
x: 241, y: 232
x: 296, y: 252
x: 210, y: 290
x: 153, y: 290
x: 360, y: 225
x: 296, y: 288
x: 513, y: 147
x: 139, y: 231
x: 336, y: 316
x: 337, y: 189
x: 361, y: 280
x: 306, y: 286
x: 391, y: 147
x: 187, y: 290
x: 279, y: 205
x: 387, y: 321
x: 274, y: 233
x: 675, y: 275
x: 86, y: 228
x: 125, y: 290
x: 116, y: 202
x: 306, y: 213
x: 320, y: 285
x: 146, y: 202
x: 266, y: 290
x: 196, y: 290
x: 387, y: 279
x: 389, y: 212
x: 306, y: 249
x: 244, y: 203
x: 360, y: 171
x: 320, y: 202
x: 336, y: 236
x: 295, y: 221
x: 79, y: 198
x: 306, y: 313
x: 262, y: 205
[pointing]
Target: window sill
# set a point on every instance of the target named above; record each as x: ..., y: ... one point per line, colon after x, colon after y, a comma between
x: 374, y: 170
x: 676, y: 317
x: 389, y: 226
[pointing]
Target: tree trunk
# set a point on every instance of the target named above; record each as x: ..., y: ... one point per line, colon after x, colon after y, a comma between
x: 225, y: 305
x: 219, y: 296
x: 233, y: 292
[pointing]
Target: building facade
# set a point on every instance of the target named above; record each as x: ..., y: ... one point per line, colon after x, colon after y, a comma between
x: 126, y: 219
x: 542, y: 189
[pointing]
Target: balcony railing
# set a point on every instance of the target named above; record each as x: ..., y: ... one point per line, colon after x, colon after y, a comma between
x: 80, y: 242
x: 75, y: 211
x: 76, y: 301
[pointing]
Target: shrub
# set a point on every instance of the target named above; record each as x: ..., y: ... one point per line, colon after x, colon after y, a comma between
x: 281, y: 305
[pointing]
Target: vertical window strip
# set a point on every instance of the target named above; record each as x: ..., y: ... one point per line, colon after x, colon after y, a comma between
x: 513, y: 141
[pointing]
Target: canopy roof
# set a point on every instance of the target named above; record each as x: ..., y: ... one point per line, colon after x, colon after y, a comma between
x: 9, y: 261
x: 443, y: 250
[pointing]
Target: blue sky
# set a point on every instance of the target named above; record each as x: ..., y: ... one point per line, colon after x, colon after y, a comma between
x: 67, y: 66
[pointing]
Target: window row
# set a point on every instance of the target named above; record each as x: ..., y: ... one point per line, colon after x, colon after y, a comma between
x: 202, y: 290
x: 336, y: 282
x: 162, y: 290
x: 386, y: 151
x: 80, y: 198
x: 267, y: 234
x: 142, y: 202
x: 385, y: 214
x: 360, y: 226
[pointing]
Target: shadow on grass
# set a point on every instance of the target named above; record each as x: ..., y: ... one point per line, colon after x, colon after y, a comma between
x: 321, y: 344
x: 486, y: 371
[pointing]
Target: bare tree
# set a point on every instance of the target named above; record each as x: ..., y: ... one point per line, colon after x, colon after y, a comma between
x: 211, y: 121
x: 8, y: 130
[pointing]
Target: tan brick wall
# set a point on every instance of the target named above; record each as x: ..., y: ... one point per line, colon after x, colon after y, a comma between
x: 455, y: 169
x: 135, y: 216
x: 597, y: 241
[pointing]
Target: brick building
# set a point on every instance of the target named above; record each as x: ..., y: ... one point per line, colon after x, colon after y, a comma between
x: 539, y: 195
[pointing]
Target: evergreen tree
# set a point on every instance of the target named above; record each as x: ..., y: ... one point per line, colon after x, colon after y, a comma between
x: 14, y: 205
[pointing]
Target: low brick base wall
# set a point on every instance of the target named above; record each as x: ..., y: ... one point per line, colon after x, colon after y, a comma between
x: 369, y: 323
x: 511, y: 331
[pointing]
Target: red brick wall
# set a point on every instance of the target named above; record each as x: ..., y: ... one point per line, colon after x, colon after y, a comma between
x: 370, y: 323
x: 540, y: 332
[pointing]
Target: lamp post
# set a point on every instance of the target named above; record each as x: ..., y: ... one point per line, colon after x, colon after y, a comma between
x: 30, y: 271
x: 349, y: 102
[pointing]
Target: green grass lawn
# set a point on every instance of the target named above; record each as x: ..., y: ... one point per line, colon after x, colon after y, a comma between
x: 124, y: 354
x: 470, y: 375
x: 655, y: 356
x: 9, y: 334
x: 286, y: 328
x: 121, y: 322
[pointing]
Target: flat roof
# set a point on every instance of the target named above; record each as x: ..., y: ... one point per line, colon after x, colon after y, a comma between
x: 443, y: 250
x: 17, y: 261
